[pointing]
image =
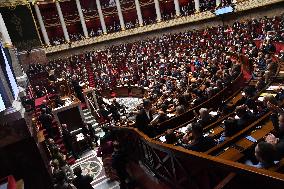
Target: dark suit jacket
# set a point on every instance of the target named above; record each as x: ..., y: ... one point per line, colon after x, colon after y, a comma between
x: 46, y: 120
x: 142, y: 121
x: 83, y: 182
x: 201, y: 145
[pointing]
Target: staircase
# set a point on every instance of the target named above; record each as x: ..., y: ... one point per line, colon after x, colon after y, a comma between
x: 90, y: 119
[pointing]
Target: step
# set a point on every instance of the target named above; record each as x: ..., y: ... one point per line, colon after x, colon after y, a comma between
x: 95, y: 125
x: 89, y: 117
x: 93, y: 121
x: 85, y: 110
x: 87, y: 113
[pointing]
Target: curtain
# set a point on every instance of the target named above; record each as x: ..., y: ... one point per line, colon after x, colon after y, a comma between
x: 8, y: 73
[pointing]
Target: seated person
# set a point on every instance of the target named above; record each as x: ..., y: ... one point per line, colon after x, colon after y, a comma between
x: 265, y: 154
x: 205, y: 117
x: 171, y: 137
x: 199, y: 142
x: 231, y: 128
x: 244, y: 116
x: 162, y: 116
x: 180, y: 110
x: 277, y: 143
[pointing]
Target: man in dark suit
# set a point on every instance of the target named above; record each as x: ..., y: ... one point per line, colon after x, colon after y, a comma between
x: 68, y: 140
x: 46, y: 122
x: 47, y: 108
x: 199, y: 143
x: 38, y: 92
x: 78, y: 89
x: 144, y: 117
x: 82, y: 181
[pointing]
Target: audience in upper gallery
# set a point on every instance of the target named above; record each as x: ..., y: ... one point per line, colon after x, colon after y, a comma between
x: 57, y: 41
x: 76, y: 36
x: 206, y: 5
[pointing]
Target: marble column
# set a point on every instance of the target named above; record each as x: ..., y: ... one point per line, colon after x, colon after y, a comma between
x: 102, y: 20
x: 197, y: 5
x: 158, y: 10
x: 41, y: 24
x: 218, y: 3
x: 4, y: 33
x: 139, y: 14
x: 82, y: 19
x: 61, y: 18
x: 177, y: 7
x: 120, y: 15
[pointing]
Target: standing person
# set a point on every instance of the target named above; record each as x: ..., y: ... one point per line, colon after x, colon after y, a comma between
x: 77, y: 88
x: 68, y: 140
x: 144, y: 117
x: 119, y: 162
x: 90, y: 134
x: 61, y: 182
x: 46, y: 122
x: 82, y: 181
x: 105, y: 151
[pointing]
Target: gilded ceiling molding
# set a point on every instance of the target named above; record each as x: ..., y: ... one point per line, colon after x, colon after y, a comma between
x: 12, y: 3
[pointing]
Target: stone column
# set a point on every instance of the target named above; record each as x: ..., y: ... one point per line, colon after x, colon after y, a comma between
x: 41, y: 24
x: 139, y: 14
x: 197, y: 5
x: 4, y: 36
x: 158, y: 11
x: 218, y: 3
x: 82, y: 19
x: 102, y: 20
x: 177, y: 7
x: 120, y: 15
x: 61, y: 18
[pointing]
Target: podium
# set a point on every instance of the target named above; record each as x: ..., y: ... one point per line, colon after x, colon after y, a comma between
x: 70, y: 114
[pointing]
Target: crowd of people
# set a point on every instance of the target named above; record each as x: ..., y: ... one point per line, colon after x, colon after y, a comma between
x: 179, y: 71
x: 115, y: 27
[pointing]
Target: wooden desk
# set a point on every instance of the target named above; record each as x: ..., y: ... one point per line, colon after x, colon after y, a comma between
x: 216, y: 131
x: 233, y: 154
